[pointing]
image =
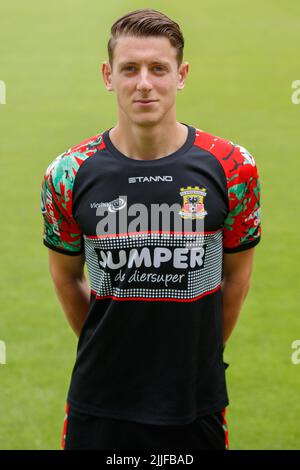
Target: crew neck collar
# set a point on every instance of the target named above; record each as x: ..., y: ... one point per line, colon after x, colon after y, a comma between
x: 154, y: 162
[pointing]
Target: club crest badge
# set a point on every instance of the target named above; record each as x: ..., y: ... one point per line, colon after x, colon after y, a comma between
x: 193, y: 206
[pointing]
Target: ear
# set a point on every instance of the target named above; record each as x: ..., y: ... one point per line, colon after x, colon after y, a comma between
x: 182, y: 74
x: 107, y: 76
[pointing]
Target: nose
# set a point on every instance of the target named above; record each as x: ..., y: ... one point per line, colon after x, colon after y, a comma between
x: 143, y: 81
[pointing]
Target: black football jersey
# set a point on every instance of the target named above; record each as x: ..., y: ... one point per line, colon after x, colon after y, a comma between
x: 153, y: 233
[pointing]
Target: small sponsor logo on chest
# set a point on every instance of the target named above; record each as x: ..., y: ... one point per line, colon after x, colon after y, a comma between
x: 112, y: 206
x: 150, y: 179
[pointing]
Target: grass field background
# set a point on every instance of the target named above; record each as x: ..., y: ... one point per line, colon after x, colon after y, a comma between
x: 243, y: 58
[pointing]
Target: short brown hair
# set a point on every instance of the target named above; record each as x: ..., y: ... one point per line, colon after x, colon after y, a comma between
x: 146, y: 22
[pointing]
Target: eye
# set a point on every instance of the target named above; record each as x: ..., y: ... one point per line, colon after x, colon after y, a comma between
x: 159, y: 67
x: 129, y: 68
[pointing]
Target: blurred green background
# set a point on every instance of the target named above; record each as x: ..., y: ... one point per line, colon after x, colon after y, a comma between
x: 243, y: 58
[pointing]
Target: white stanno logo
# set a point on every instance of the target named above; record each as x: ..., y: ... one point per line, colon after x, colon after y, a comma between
x: 149, y: 179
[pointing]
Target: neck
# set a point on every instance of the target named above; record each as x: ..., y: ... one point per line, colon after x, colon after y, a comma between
x: 148, y: 143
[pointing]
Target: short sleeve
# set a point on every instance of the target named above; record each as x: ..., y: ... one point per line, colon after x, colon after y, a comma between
x: 242, y: 226
x: 61, y: 233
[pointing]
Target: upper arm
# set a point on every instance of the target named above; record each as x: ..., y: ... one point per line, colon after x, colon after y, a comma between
x: 238, y: 266
x: 63, y: 267
x: 61, y: 233
x: 242, y: 226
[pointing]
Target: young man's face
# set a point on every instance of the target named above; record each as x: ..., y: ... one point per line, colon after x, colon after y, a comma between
x: 145, y: 69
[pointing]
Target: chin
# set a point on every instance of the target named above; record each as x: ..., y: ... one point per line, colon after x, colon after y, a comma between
x: 146, y: 121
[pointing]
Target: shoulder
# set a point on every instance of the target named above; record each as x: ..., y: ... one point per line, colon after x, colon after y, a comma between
x: 214, y: 144
x: 236, y: 160
x: 63, y: 169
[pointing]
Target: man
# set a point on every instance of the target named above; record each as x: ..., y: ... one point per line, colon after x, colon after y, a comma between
x: 162, y: 303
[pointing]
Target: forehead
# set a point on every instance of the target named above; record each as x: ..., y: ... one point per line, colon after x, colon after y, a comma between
x: 144, y: 49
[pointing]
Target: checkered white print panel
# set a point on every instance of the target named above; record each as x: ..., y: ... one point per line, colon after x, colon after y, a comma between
x: 149, y: 282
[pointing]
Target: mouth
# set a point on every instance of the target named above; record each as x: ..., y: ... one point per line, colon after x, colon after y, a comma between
x: 144, y: 102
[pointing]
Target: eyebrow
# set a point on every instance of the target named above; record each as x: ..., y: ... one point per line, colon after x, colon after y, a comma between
x: 160, y: 62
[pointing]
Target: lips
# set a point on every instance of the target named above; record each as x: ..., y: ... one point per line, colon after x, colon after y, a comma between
x: 145, y: 101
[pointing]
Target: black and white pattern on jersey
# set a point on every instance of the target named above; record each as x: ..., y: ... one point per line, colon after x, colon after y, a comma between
x: 155, y: 266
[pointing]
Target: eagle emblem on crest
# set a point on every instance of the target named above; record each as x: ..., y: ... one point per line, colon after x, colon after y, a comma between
x: 193, y: 205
